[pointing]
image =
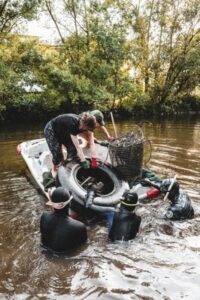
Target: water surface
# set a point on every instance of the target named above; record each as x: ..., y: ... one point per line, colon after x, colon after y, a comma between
x: 163, y: 262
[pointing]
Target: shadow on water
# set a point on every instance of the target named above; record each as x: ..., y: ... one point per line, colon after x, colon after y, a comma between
x: 162, y: 262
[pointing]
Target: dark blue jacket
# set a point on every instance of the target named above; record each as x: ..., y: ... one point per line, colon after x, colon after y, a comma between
x: 125, y: 225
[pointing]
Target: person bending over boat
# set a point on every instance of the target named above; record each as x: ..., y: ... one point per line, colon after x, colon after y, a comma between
x: 63, y: 130
x: 59, y: 232
x: 100, y: 123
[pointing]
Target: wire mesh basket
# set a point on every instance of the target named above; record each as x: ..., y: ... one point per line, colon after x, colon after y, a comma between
x: 126, y: 154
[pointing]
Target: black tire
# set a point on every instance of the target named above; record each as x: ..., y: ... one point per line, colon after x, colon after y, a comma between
x: 69, y: 178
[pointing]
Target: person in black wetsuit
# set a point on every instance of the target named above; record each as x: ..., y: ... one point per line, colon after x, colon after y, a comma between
x: 63, y: 130
x: 181, y: 205
x: 125, y: 224
x: 59, y: 232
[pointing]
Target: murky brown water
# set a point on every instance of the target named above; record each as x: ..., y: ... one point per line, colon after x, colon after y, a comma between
x: 163, y: 262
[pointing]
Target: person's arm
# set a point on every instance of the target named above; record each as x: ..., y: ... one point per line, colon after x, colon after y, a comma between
x: 106, y: 133
x: 91, y: 144
x: 78, y: 148
x: 94, y: 162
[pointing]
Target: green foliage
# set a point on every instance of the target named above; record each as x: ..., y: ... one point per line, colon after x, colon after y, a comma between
x: 137, y: 102
x: 13, y: 12
x: 119, y: 55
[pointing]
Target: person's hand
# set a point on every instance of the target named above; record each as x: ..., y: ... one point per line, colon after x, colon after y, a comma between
x: 95, y: 163
x: 110, y: 138
x: 85, y: 164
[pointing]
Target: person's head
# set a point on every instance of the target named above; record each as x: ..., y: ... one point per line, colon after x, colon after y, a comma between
x: 59, y: 199
x: 129, y: 200
x: 99, y: 117
x: 87, y: 122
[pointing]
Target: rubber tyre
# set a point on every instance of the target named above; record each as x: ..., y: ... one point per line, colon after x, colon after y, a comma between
x: 67, y: 176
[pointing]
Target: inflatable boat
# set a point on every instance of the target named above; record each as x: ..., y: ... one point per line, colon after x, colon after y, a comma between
x: 75, y: 179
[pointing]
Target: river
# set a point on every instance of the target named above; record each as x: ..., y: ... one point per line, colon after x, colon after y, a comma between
x: 162, y: 262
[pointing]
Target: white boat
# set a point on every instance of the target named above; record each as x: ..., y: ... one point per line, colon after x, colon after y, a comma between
x: 75, y: 179
x: 39, y: 160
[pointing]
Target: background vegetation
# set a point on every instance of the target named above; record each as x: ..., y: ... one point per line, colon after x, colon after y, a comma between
x: 136, y: 57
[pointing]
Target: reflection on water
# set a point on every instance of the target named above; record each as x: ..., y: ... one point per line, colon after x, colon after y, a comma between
x: 161, y: 263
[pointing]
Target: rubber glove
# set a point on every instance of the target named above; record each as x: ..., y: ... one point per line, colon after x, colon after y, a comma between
x: 104, y: 143
x: 95, y: 163
x: 85, y: 164
x: 154, y: 178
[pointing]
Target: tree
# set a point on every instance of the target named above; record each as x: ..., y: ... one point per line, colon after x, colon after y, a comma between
x: 12, y: 12
x: 112, y: 54
x: 164, y: 34
x: 94, y: 53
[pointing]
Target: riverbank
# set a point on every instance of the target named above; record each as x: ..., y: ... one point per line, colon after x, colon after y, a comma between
x: 33, y: 117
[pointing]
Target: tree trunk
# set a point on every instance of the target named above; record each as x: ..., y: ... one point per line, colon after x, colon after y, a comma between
x: 49, y: 9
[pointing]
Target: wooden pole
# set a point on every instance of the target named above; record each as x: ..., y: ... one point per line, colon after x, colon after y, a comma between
x: 170, y: 187
x: 86, y: 180
x: 113, y: 122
